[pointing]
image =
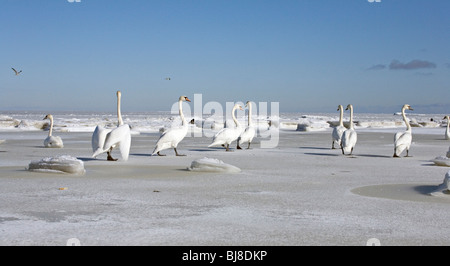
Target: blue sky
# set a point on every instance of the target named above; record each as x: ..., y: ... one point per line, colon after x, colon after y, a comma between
x: 308, y: 55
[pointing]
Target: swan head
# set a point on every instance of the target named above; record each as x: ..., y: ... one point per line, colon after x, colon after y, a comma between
x: 48, y: 117
x: 349, y: 107
x: 446, y: 117
x: 184, y: 99
x: 407, y: 107
x: 118, y: 93
x: 340, y: 107
x: 237, y: 106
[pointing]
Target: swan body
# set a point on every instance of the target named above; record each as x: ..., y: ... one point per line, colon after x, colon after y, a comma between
x: 105, y: 140
x: 339, y: 129
x: 249, y: 133
x: 172, y: 137
x: 447, y: 131
x: 227, y: 135
x: 349, y: 137
x: 402, y: 140
x: 52, y: 141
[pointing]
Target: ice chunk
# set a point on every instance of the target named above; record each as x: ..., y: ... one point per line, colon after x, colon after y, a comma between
x: 59, y: 164
x: 212, y: 165
x: 441, y: 161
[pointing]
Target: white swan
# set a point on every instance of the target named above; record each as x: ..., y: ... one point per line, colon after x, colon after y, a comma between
x: 227, y: 135
x: 402, y: 140
x: 52, y: 141
x: 174, y: 135
x: 349, y: 137
x: 105, y: 140
x: 339, y: 129
x: 249, y: 133
x: 447, y: 132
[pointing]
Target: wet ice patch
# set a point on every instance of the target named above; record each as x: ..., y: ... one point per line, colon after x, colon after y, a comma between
x: 59, y: 164
x: 212, y: 165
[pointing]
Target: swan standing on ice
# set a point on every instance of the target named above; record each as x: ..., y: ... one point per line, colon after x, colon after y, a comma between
x: 227, y: 135
x: 174, y: 135
x: 105, y: 140
x: 52, y: 141
x: 447, y: 131
x: 349, y: 137
x: 249, y: 133
x: 339, y: 129
x: 402, y: 140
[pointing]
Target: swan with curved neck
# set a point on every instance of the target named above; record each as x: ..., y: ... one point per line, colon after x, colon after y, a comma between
x: 447, y: 131
x: 172, y: 137
x: 227, y: 135
x: 349, y: 137
x: 339, y: 129
x: 105, y: 140
x: 402, y: 140
x: 249, y: 133
x: 52, y: 141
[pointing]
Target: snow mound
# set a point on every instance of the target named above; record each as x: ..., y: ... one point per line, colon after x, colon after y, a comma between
x: 443, y: 190
x: 59, y: 164
x: 212, y: 165
x: 442, y: 161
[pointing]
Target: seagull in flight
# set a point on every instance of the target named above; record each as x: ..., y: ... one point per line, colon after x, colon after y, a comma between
x: 17, y: 72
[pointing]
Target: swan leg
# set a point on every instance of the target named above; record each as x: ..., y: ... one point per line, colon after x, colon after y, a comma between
x: 159, y: 154
x: 228, y: 147
x: 175, y: 149
x: 110, y: 158
x: 407, y: 153
x: 248, y: 148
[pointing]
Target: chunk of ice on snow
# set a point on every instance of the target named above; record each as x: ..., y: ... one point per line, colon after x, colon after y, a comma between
x: 59, y: 164
x: 212, y: 165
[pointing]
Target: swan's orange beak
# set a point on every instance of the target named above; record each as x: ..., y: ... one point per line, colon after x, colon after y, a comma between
x: 187, y: 99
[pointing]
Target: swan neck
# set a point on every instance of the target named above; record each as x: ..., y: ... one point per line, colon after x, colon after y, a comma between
x: 234, y: 117
x: 249, y: 114
x: 180, y: 109
x: 351, y: 117
x: 51, y: 127
x: 341, y: 116
x: 408, y: 126
x: 119, y: 114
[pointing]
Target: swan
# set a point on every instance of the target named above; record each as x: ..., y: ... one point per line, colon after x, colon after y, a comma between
x: 105, y: 140
x: 402, y: 140
x: 249, y: 133
x: 173, y: 136
x: 52, y: 141
x: 447, y: 132
x: 227, y: 135
x: 349, y: 137
x: 338, y: 130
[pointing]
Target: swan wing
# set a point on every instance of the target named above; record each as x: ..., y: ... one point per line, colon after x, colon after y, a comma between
x: 125, y: 145
x: 98, y: 138
x: 116, y: 136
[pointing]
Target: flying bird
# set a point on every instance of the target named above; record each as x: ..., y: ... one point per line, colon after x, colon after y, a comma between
x: 17, y: 72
